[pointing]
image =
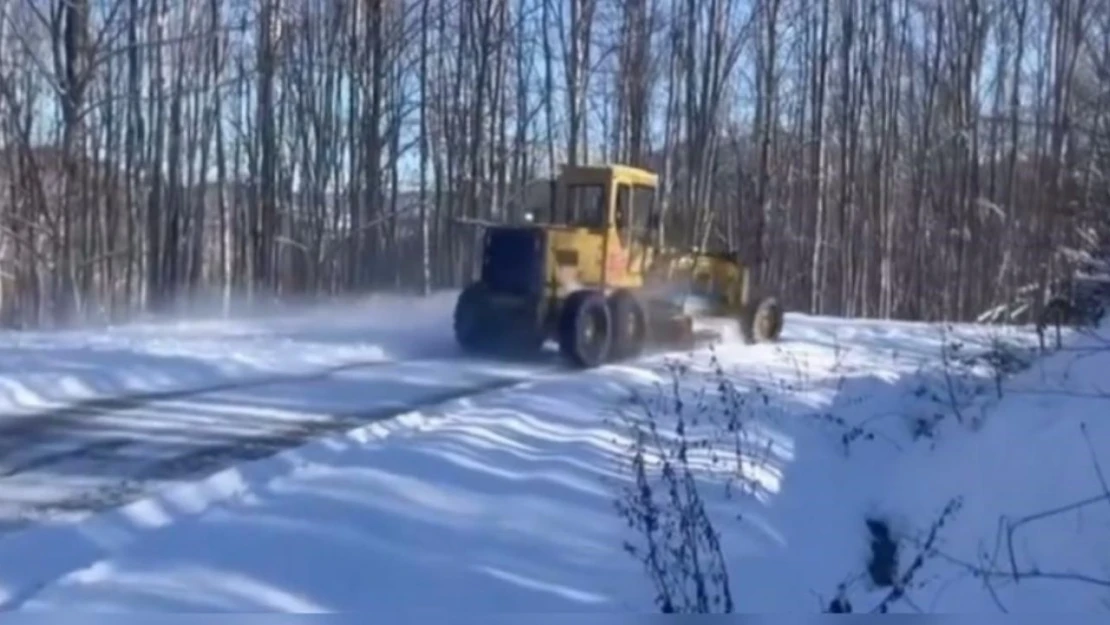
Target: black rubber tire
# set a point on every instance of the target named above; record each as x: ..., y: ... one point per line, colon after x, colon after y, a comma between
x: 761, y: 321
x: 767, y: 320
x: 486, y: 331
x: 473, y: 333
x: 584, y: 330
x: 629, y: 325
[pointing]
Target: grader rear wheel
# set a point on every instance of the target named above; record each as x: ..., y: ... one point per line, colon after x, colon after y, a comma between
x: 472, y: 332
x: 585, y: 329
x: 483, y: 328
x: 629, y: 322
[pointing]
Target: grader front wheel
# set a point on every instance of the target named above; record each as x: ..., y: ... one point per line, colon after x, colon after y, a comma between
x: 762, y: 323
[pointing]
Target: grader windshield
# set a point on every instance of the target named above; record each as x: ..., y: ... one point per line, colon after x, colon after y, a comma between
x: 585, y: 206
x: 598, y: 197
x: 635, y: 213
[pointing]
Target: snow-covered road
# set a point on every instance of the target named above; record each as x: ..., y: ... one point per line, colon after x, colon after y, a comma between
x: 432, y: 480
x: 100, y: 454
x: 95, y: 419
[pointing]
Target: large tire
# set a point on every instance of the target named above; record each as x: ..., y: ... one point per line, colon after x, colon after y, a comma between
x: 483, y: 329
x: 473, y: 333
x: 584, y: 331
x: 629, y: 325
x: 762, y: 323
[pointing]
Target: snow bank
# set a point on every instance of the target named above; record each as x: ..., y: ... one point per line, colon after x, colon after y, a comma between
x: 1033, y: 530
x: 505, y: 501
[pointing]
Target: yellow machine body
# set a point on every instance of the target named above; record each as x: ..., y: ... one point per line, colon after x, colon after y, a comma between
x: 597, y: 238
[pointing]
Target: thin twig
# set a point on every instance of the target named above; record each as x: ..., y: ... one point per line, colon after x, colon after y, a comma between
x: 1095, y: 462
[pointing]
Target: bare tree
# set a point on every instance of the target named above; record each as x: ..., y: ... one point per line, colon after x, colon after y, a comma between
x: 901, y: 159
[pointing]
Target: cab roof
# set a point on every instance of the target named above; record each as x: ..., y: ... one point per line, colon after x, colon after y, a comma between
x: 603, y: 172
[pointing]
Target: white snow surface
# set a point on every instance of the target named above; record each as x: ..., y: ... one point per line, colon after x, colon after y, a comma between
x: 429, y: 481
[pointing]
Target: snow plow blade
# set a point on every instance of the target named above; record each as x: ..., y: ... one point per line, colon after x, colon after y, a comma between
x: 679, y: 333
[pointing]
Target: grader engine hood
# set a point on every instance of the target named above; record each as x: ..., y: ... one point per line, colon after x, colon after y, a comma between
x: 513, y: 261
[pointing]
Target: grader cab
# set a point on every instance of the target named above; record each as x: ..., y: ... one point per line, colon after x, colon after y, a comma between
x: 593, y: 273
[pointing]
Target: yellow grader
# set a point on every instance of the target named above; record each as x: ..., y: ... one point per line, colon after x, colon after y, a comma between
x: 594, y: 275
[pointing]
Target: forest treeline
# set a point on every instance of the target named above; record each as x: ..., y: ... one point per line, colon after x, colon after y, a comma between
x: 909, y: 158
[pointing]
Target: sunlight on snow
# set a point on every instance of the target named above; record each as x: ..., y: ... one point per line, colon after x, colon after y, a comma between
x: 202, y: 586
x: 571, y: 594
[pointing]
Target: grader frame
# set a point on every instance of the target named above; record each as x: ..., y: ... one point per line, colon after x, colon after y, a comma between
x: 592, y: 272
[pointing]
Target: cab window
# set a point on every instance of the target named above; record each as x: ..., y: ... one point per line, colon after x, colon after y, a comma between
x: 635, y: 205
x: 585, y: 206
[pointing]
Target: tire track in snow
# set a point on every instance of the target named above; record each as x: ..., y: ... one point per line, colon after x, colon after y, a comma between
x: 15, y: 427
x: 196, y: 457
x: 200, y: 461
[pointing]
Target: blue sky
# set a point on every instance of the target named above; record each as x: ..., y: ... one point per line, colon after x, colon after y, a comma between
x: 743, y: 79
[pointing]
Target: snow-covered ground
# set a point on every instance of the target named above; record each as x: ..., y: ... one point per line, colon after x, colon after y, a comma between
x: 93, y: 418
x: 432, y: 480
